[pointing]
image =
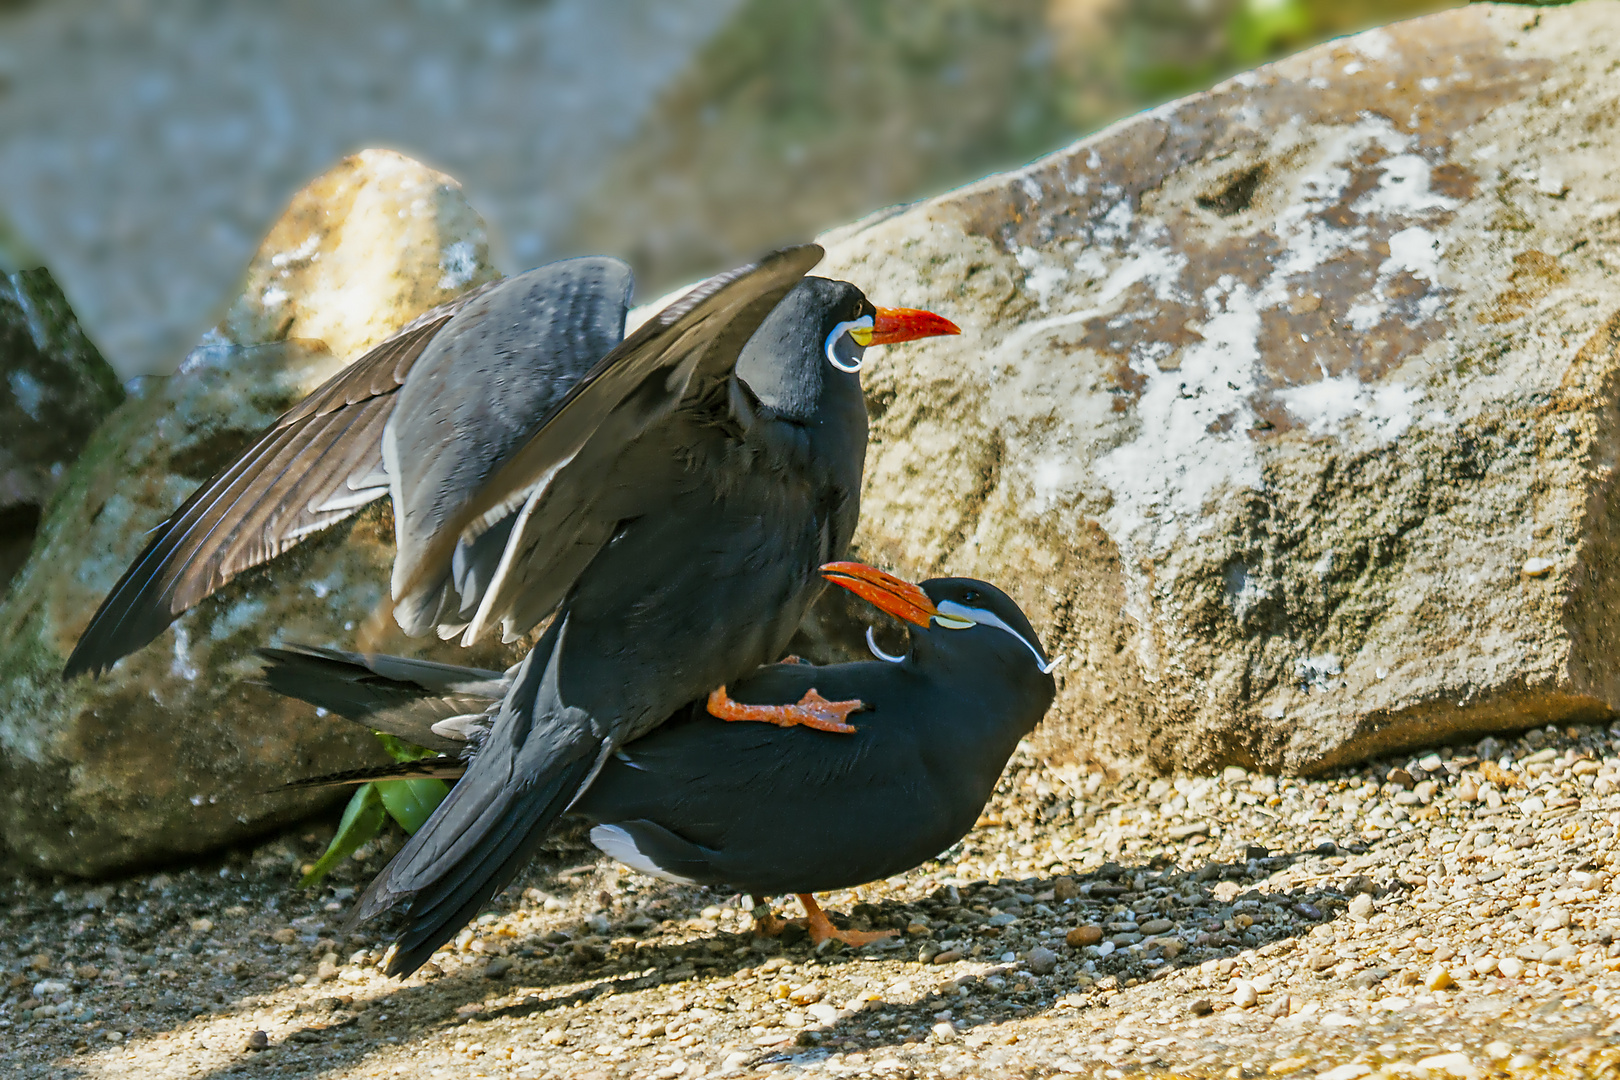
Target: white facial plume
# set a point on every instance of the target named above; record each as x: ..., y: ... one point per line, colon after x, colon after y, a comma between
x: 960, y: 617
x: 838, y: 332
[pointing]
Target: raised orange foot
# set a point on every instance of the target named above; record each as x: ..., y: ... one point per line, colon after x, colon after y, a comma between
x: 812, y: 711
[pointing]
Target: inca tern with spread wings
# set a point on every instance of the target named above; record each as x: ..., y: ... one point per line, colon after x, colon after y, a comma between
x: 667, y: 504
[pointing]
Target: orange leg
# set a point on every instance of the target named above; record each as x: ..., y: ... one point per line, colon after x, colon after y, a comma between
x: 821, y: 928
x: 812, y: 710
x: 767, y: 924
x: 816, y: 923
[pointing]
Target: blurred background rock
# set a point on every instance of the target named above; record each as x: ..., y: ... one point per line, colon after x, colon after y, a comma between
x: 146, y: 145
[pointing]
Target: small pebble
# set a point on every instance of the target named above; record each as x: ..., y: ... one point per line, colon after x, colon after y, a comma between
x: 1353, y: 1070
x: 1201, y: 1006
x: 1439, y: 978
x: 1452, y: 1064
x: 1244, y: 994
x: 1283, y: 1005
x: 1555, y: 919
x: 1082, y: 936
x: 258, y: 1040
x: 822, y: 1013
x: 949, y: 956
x: 1510, y: 967
x: 1042, y: 961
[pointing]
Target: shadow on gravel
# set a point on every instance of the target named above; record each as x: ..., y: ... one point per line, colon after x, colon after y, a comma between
x: 1216, y: 901
x: 344, y: 1027
x: 1214, y: 912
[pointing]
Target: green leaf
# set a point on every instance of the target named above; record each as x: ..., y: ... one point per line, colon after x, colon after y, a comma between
x: 410, y: 802
x: 362, y: 819
x: 401, y: 750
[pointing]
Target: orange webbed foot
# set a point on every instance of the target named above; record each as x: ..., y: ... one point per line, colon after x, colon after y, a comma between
x: 822, y: 930
x: 812, y: 710
x: 815, y: 923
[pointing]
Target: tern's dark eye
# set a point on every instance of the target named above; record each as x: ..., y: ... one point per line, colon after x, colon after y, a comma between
x: 970, y: 595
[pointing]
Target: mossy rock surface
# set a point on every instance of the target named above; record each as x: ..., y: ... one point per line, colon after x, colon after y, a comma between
x: 54, y: 389
x: 172, y: 752
x: 175, y: 751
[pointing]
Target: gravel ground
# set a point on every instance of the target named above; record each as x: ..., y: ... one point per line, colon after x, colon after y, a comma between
x: 1450, y: 915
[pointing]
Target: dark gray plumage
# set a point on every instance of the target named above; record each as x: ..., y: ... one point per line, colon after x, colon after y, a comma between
x: 437, y: 706
x: 323, y: 459
x: 671, y: 517
x: 681, y: 558
x: 769, y: 810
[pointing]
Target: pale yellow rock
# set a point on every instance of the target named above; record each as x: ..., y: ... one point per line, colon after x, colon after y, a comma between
x: 358, y: 253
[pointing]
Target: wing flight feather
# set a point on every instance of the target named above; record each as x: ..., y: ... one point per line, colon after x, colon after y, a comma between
x: 271, y: 497
x: 548, y: 480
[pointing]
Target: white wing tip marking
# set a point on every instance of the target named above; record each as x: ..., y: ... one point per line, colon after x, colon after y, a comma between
x: 618, y: 844
x: 348, y: 500
x: 461, y: 727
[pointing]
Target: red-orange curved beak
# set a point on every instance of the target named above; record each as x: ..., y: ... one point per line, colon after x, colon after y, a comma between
x: 892, y: 325
x: 886, y: 592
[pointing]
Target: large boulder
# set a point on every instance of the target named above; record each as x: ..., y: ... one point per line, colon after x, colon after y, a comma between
x: 172, y: 753
x: 1287, y: 410
x: 54, y: 389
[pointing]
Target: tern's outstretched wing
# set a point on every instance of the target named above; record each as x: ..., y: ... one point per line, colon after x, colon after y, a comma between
x: 547, y: 509
x: 500, y: 356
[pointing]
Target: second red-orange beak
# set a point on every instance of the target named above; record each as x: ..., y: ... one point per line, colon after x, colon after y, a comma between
x: 886, y: 592
x: 892, y: 325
